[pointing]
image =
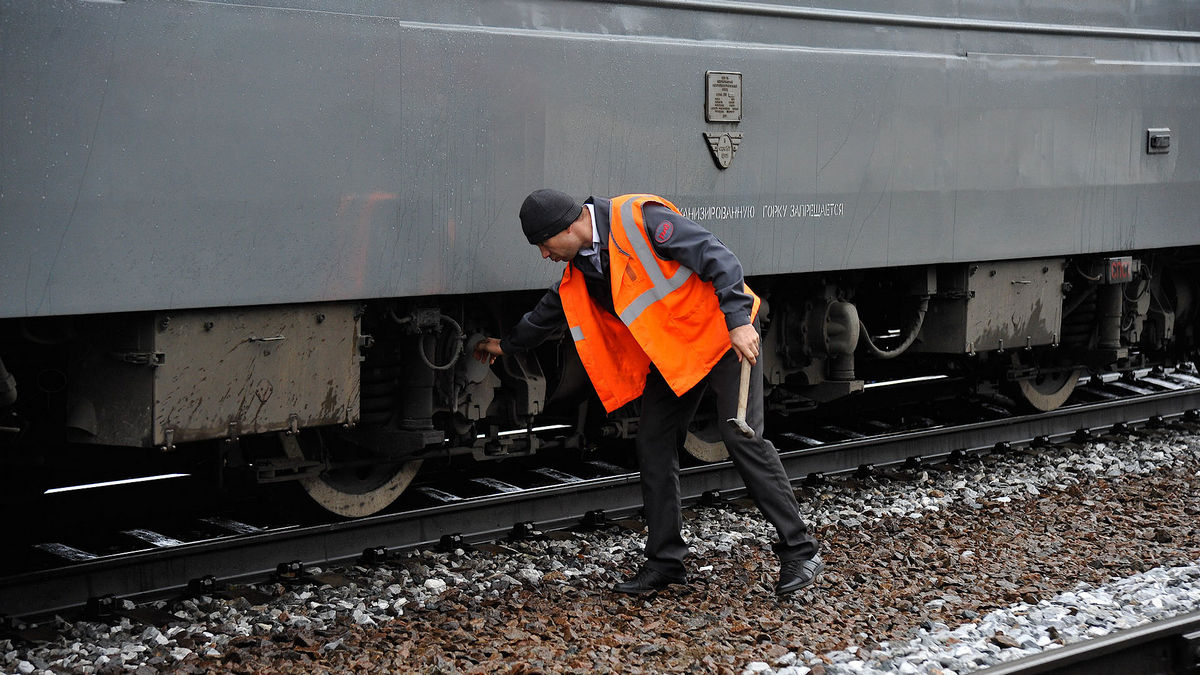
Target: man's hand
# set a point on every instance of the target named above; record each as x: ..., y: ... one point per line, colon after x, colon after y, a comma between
x: 745, y: 342
x: 487, y: 349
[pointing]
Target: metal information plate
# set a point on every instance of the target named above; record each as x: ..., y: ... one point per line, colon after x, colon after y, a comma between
x: 722, y: 96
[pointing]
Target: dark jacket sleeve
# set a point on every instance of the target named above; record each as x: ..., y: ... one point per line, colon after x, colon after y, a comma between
x: 696, y: 248
x: 539, y: 324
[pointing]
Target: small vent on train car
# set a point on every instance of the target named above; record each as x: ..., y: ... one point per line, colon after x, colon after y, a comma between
x: 1158, y: 141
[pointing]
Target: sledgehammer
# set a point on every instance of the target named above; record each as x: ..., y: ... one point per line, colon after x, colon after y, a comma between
x: 739, y: 422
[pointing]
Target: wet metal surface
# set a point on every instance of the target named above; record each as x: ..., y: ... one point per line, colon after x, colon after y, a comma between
x: 211, y: 154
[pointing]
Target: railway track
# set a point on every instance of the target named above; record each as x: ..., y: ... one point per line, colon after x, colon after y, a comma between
x: 559, y: 500
x: 1167, y: 647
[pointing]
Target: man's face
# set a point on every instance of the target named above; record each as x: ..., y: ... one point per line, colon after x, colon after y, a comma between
x: 561, y: 247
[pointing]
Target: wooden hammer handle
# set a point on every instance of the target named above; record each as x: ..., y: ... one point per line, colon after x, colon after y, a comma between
x: 743, y: 389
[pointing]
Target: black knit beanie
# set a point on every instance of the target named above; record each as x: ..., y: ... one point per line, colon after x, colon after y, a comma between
x: 545, y: 213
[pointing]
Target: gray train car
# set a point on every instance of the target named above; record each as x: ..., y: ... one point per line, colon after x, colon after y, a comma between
x: 266, y: 229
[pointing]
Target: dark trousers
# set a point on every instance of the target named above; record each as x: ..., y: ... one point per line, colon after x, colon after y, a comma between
x: 661, y: 433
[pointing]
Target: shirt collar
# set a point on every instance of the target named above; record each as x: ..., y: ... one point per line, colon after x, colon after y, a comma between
x: 595, y: 232
x: 592, y: 253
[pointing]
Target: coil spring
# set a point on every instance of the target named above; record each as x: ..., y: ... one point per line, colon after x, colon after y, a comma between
x: 1079, y: 326
x: 380, y: 393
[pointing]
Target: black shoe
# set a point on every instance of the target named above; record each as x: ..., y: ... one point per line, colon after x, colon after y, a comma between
x: 796, y: 574
x: 648, y: 580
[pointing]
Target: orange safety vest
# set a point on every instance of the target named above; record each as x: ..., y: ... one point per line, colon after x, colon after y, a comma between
x: 668, y: 316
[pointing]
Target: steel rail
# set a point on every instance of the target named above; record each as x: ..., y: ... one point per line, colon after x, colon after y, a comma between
x: 1161, y: 647
x: 485, y: 518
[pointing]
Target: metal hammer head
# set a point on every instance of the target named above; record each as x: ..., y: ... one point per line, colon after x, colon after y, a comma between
x: 741, y: 426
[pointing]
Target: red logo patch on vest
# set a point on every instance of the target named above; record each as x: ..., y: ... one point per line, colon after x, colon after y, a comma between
x: 664, y: 232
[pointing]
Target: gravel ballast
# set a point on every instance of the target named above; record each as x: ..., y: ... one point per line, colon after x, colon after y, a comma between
x: 939, y: 571
x: 1010, y: 633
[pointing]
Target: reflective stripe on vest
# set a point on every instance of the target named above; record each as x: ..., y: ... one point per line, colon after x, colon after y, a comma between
x: 660, y: 284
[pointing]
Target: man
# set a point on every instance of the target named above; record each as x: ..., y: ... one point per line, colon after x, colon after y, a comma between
x: 658, y: 308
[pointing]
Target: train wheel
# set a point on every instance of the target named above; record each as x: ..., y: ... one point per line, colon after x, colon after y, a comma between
x: 354, y: 492
x: 1045, y: 392
x: 704, y: 442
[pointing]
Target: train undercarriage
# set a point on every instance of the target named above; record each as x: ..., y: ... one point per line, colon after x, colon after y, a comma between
x: 346, y: 400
